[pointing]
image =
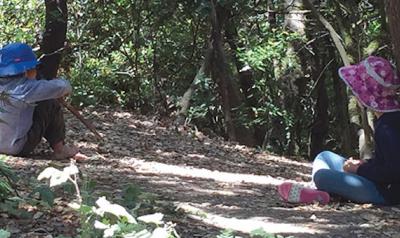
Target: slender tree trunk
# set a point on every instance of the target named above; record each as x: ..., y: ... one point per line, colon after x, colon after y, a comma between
x: 320, y: 126
x: 319, y: 129
x: 245, y: 74
x: 318, y: 64
x: 54, y: 37
x: 393, y: 14
x: 52, y: 46
x: 339, y: 46
x: 229, y: 91
x: 295, y: 22
x: 185, y: 101
x: 342, y: 112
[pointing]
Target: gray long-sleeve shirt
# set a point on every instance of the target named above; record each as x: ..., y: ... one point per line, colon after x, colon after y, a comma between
x: 16, y: 112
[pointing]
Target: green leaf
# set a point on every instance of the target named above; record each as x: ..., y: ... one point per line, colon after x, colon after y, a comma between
x: 46, y: 194
x: 260, y: 233
x: 131, y: 196
x: 227, y: 234
x: 5, y: 170
x: 4, y: 233
x: 12, y: 209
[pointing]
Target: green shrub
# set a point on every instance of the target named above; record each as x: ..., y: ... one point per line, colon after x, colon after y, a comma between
x: 107, y: 219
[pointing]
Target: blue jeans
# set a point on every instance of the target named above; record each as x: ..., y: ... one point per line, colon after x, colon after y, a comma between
x: 328, y: 176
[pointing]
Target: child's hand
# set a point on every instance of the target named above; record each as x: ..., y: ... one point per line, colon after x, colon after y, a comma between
x: 351, y: 165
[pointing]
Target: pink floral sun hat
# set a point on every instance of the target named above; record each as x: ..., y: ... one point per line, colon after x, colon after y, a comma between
x: 374, y: 82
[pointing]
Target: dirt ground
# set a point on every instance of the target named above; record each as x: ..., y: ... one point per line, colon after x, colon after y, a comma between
x: 204, y: 185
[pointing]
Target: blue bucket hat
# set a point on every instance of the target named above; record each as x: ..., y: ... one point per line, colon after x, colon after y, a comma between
x: 16, y: 58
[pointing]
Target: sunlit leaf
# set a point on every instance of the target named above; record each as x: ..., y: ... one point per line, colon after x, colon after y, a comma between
x: 56, y: 176
x: 153, y: 218
x: 4, y: 234
x: 105, y: 206
x: 160, y: 233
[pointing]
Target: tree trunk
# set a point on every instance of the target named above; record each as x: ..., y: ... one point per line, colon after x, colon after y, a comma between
x: 245, y: 74
x: 295, y: 80
x: 393, y: 14
x: 54, y: 38
x: 320, y: 125
x: 229, y: 91
x: 52, y: 46
x: 342, y: 113
x: 244, y: 71
x: 185, y: 101
x: 339, y: 46
x: 319, y: 129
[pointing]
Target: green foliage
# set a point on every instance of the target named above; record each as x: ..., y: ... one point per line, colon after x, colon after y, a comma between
x: 259, y: 233
x: 206, y: 111
x: 11, y: 207
x: 106, y: 219
x: 227, y: 234
x: 131, y: 196
x: 88, y: 188
x: 143, y: 55
x: 17, y: 22
x: 45, y: 194
x: 11, y: 202
x: 7, y: 179
x: 4, y: 233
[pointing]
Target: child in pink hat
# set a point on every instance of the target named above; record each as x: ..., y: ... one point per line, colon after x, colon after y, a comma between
x: 375, y: 83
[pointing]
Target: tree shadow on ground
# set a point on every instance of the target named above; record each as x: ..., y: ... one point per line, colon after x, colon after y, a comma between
x: 214, y: 185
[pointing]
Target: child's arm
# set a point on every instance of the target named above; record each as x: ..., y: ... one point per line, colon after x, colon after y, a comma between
x: 386, y: 169
x: 39, y: 90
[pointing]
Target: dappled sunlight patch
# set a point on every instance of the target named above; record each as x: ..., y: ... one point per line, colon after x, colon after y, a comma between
x: 197, y: 156
x: 144, y: 133
x: 167, y: 154
x: 300, y: 174
x: 214, y: 192
x: 87, y: 145
x: 280, y: 159
x: 247, y: 225
x: 122, y: 115
x: 144, y: 167
x: 163, y: 182
x: 148, y: 124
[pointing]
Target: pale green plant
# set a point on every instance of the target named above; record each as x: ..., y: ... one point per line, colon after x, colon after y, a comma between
x: 107, y: 219
x: 4, y: 233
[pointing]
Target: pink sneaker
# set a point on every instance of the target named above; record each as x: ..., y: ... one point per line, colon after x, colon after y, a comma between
x: 296, y: 193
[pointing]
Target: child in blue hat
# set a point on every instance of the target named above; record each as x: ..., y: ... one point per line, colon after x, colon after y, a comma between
x: 29, y: 109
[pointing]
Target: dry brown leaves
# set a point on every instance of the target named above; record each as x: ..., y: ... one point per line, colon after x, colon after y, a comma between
x: 215, y: 184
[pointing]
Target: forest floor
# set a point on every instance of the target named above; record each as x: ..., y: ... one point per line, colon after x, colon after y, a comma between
x: 203, y: 185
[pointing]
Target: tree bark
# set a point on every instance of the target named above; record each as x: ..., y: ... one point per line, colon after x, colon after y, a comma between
x: 319, y: 128
x: 342, y: 113
x: 245, y: 74
x: 336, y: 39
x: 52, y: 45
x: 296, y: 82
x: 185, y: 101
x: 229, y: 91
x: 393, y: 14
x: 54, y: 37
